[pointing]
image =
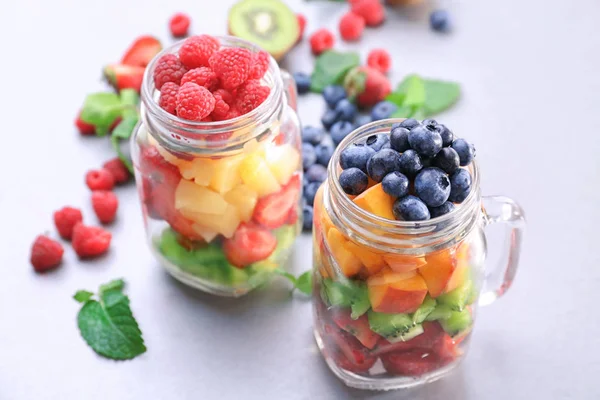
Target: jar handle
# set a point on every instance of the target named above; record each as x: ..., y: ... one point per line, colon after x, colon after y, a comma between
x: 500, y: 209
x: 289, y: 85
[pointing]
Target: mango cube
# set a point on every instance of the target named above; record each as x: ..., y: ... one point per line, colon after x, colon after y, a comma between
x: 376, y: 201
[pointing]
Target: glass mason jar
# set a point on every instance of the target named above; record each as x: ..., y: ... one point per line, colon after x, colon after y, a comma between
x: 395, y: 301
x: 221, y: 200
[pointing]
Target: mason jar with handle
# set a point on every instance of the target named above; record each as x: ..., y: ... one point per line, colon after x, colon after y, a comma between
x: 395, y: 301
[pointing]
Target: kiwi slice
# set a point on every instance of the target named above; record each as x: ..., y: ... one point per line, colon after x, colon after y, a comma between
x: 459, y: 297
x: 457, y: 322
x: 441, y: 311
x: 394, y: 327
x: 346, y: 294
x: 424, y: 310
x: 268, y: 23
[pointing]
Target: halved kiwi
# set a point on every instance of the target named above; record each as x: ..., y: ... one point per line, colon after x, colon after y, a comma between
x: 268, y: 23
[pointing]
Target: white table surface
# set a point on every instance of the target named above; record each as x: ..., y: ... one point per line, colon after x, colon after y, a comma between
x: 529, y: 71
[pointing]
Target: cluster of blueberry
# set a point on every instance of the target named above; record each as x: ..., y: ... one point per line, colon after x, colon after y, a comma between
x: 418, y: 164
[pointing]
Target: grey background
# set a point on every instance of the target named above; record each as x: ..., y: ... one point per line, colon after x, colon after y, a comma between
x: 529, y: 71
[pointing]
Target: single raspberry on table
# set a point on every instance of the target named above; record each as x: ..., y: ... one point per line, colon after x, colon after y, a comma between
x: 118, y: 170
x: 46, y: 254
x: 351, y: 26
x: 105, y: 204
x: 179, y: 25
x: 371, y: 10
x: 202, y: 76
x: 380, y: 60
x: 65, y: 220
x: 90, y: 241
x: 251, y: 95
x: 168, y: 97
x: 197, y: 50
x: 194, y: 102
x: 321, y: 41
x: 84, y: 128
x: 260, y: 65
x: 232, y: 66
x: 168, y: 69
x: 221, y: 107
x: 99, y: 179
x: 302, y: 25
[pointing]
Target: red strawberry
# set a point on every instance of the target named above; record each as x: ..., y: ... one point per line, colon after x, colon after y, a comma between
x: 141, y: 51
x: 347, y: 352
x: 411, y: 363
x: 124, y: 76
x: 249, y: 244
x: 83, y: 127
x: 358, y: 328
x: 367, y: 85
x: 272, y: 211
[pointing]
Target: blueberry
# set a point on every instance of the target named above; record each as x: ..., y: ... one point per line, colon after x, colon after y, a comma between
x: 410, y: 208
x: 333, y: 94
x: 340, y: 130
x: 309, y: 157
x: 324, y: 152
x: 441, y: 210
x: 430, y: 124
x: 432, y: 185
x: 460, y: 186
x: 386, y: 145
x: 307, y: 218
x: 356, y: 156
x: 395, y: 184
x: 382, y: 163
x: 446, y: 134
x: 362, y: 120
x: 346, y: 111
x: 409, y: 123
x: 447, y: 159
x: 376, y: 142
x: 425, y: 142
x: 303, y: 82
x: 426, y: 161
x: 353, y: 181
x: 383, y: 110
x: 465, y: 151
x: 312, y: 135
x: 329, y: 118
x: 310, y: 191
x: 316, y: 173
x: 399, y: 139
x: 410, y: 163
x: 440, y: 20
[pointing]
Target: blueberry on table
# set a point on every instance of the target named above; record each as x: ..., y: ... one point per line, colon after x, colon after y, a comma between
x: 395, y: 184
x: 333, y: 94
x: 353, y: 181
x: 440, y: 21
x: 303, y: 82
x: 399, y: 139
x: 410, y: 163
x: 307, y: 217
x: 346, y: 111
x: 382, y: 163
x: 383, y: 110
x: 356, y: 156
x: 441, y: 210
x: 432, y: 185
x: 447, y: 159
x: 329, y: 118
x: 309, y: 157
x: 324, y: 152
x: 376, y: 142
x: 316, y: 173
x: 340, y: 130
x: 446, y: 134
x: 312, y: 134
x: 310, y: 191
x: 460, y: 185
x: 465, y: 151
x: 424, y: 141
x: 410, y: 208
x: 362, y: 120
x: 409, y: 123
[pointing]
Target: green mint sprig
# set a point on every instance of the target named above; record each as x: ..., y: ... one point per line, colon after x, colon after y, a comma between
x: 331, y: 67
x: 107, y: 324
x: 419, y: 98
x: 303, y: 282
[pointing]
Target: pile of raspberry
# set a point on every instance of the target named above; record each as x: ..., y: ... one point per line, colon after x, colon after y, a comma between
x: 206, y: 82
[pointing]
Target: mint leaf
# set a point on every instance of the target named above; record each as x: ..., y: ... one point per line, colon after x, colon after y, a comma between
x: 101, y: 110
x: 439, y: 96
x: 403, y: 112
x: 82, y: 296
x: 331, y: 67
x: 410, y: 92
x: 123, y: 131
x: 129, y: 102
x: 304, y: 283
x: 117, y: 284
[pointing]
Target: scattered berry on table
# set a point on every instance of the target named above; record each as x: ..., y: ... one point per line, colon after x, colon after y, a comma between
x: 324, y: 152
x: 460, y: 185
x: 196, y: 51
x: 168, y: 69
x: 432, y: 185
x: 346, y: 110
x: 301, y: 25
x: 446, y: 134
x: 383, y: 110
x: 376, y: 142
x: 425, y: 142
x: 447, y: 160
x: 410, y: 208
x: 362, y: 120
x: 179, y: 25
x: 90, y: 241
x: 353, y: 181
x: 409, y: 123
x: 259, y: 65
x: 313, y: 135
x: 251, y: 95
x: 340, y: 130
x: 356, y: 156
x: 194, y: 102
x: 410, y: 163
x: 395, y: 184
x: 321, y: 40
x: 380, y: 60
x: 368, y: 85
x: 309, y: 157
x: 399, y: 139
x: 46, y: 254
x: 316, y: 173
x: 441, y: 210
x: 168, y: 97
x: 84, y: 128
x: 465, y: 151
x: 303, y: 82
x: 118, y: 170
x: 202, y: 76
x: 329, y: 118
x: 310, y: 191
x: 232, y: 65
x: 99, y: 179
x: 307, y: 217
x: 351, y: 26
x: 371, y: 10
x: 382, y: 163
x: 105, y: 204
x: 65, y: 220
x: 439, y: 20
x: 333, y: 94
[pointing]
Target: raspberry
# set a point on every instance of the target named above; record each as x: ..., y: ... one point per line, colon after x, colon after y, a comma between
x: 221, y: 106
x: 260, y: 65
x: 168, y: 69
x: 117, y: 169
x: 301, y: 24
x: 196, y: 51
x: 380, y: 60
x: 90, y: 241
x: 65, y: 219
x: 371, y: 10
x: 46, y: 254
x: 194, y: 102
x: 99, y: 179
x: 351, y: 26
x: 83, y: 127
x: 202, y: 76
x: 227, y: 96
x: 251, y: 95
x: 168, y: 97
x: 321, y: 41
x: 105, y: 204
x: 233, y: 113
x: 232, y: 66
x: 179, y: 25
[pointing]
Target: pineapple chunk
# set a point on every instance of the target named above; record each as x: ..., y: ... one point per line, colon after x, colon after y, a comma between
x: 226, y: 174
x: 196, y: 198
x: 256, y: 174
x: 283, y: 161
x: 225, y: 224
x: 207, y: 234
x: 244, y: 199
x: 200, y: 170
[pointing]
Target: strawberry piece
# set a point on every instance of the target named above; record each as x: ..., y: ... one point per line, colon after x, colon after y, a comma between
x: 272, y: 211
x: 358, y: 328
x: 249, y: 244
x: 65, y: 220
x: 90, y: 241
x: 46, y: 254
x: 428, y: 340
x: 105, y: 204
x: 411, y: 363
x: 141, y: 51
x: 292, y: 216
x: 84, y: 128
x: 367, y: 85
x: 347, y: 352
x: 124, y: 76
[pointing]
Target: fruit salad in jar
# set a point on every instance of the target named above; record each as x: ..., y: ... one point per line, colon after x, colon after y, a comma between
x: 218, y: 164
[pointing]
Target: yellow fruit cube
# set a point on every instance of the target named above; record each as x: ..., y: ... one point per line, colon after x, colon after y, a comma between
x: 200, y: 170
x: 207, y: 234
x: 244, y: 199
x: 196, y: 198
x: 256, y: 174
x: 226, y: 174
x: 283, y: 161
x: 225, y: 224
